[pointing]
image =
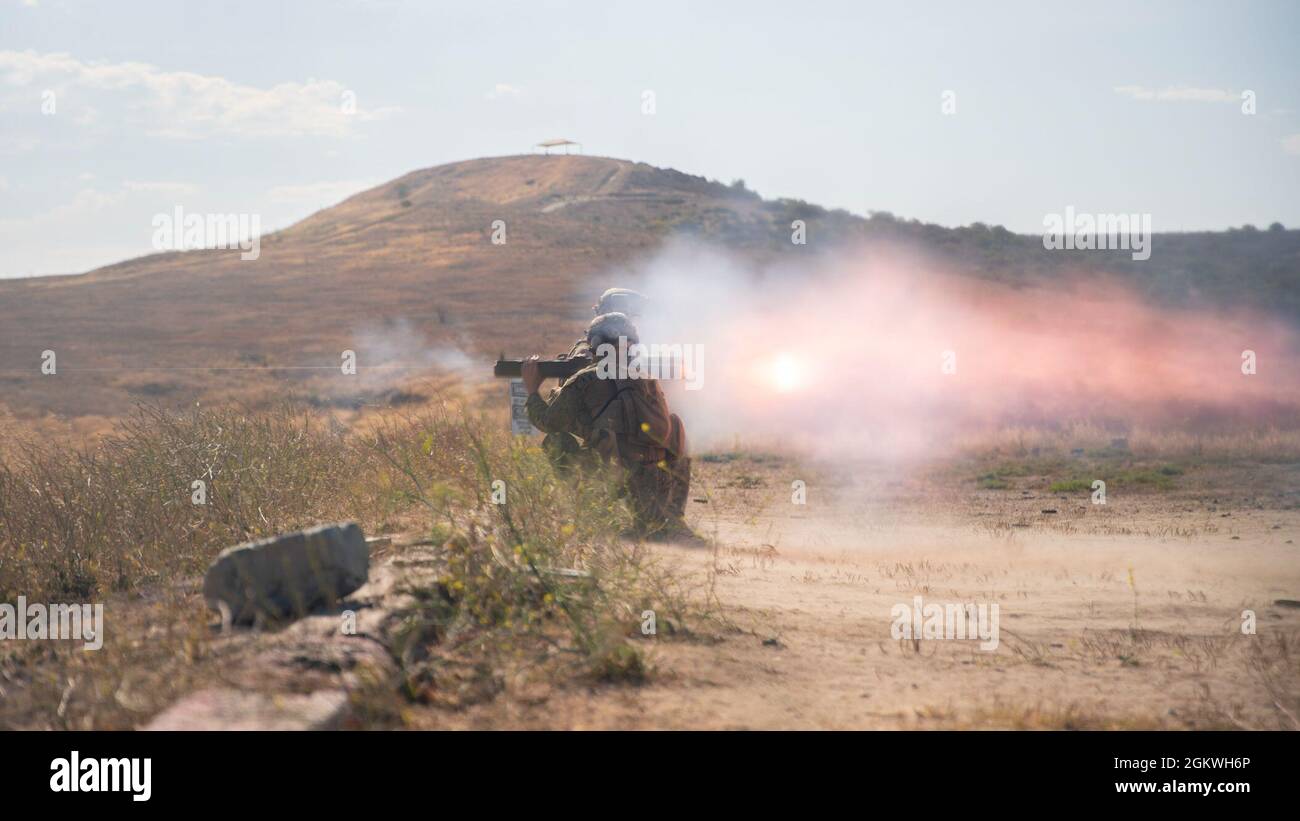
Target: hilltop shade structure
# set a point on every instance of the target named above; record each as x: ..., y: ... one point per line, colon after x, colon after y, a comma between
x: 547, y: 145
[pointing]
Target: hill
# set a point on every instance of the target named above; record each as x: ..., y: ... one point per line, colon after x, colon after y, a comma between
x: 414, y: 260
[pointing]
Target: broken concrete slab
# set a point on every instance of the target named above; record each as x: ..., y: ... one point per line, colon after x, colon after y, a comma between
x: 225, y: 709
x: 288, y: 575
x: 265, y: 675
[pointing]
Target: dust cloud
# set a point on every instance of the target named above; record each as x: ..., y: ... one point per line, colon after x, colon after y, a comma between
x: 880, y: 352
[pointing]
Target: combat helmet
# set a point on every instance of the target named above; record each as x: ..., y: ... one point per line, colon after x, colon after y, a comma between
x: 622, y: 301
x: 607, y: 328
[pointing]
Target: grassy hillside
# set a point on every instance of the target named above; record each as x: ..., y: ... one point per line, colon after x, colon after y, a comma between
x: 203, y: 325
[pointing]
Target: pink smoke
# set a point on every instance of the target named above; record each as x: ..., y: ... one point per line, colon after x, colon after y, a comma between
x: 847, y: 353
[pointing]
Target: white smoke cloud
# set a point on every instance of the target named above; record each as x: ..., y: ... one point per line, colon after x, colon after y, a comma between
x: 844, y: 354
x: 390, y: 354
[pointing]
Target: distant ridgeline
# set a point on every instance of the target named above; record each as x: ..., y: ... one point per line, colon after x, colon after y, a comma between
x: 1241, y: 267
x: 502, y: 254
x: 1235, y: 268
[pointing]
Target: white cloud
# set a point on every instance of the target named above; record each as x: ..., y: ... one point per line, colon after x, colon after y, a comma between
x: 97, y: 225
x: 161, y: 187
x: 91, y: 204
x: 85, y: 204
x: 11, y: 143
x: 318, y: 193
x: 501, y: 90
x: 1179, y: 94
x: 1291, y: 144
x: 183, y: 104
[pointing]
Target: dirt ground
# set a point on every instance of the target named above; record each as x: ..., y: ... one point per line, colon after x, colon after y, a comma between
x: 1132, y: 614
x: 1122, y: 615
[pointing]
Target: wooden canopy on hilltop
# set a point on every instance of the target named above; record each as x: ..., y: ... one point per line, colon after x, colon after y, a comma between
x: 547, y: 145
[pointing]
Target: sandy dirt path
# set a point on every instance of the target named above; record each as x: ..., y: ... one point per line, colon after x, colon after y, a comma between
x: 1127, y: 615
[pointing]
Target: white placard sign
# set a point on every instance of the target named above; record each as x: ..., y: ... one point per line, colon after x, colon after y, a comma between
x: 519, y: 424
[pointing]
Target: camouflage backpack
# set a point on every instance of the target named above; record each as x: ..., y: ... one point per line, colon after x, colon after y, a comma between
x: 639, y: 425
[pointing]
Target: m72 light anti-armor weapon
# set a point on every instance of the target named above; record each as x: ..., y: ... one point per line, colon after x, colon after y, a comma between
x: 669, y: 367
x: 550, y: 368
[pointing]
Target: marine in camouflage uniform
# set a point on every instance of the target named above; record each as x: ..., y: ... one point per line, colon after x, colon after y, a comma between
x: 614, y: 301
x: 562, y: 447
x: 656, y: 480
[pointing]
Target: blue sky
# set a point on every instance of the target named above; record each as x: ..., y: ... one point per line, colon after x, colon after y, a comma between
x: 238, y: 107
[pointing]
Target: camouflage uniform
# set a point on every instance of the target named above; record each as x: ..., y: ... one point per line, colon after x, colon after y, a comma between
x: 652, y: 477
x: 572, y: 407
x: 561, y: 445
x: 619, y: 300
x: 580, y: 350
x: 676, y: 464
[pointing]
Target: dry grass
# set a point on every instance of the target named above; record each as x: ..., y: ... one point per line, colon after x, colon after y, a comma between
x: 1021, y: 443
x: 541, y: 583
x: 542, y: 575
x: 1005, y: 716
x: 118, y: 516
